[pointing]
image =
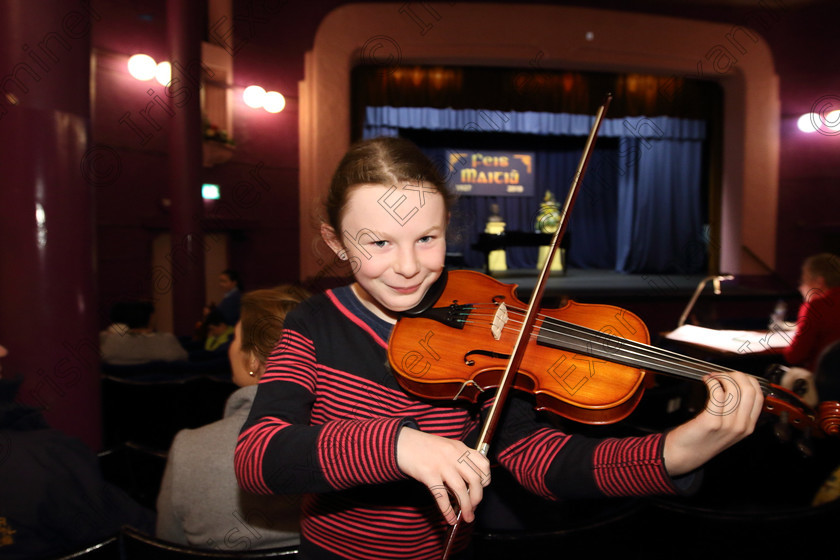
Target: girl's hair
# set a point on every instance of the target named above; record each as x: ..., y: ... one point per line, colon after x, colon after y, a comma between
x: 263, y: 313
x: 826, y: 265
x: 381, y: 161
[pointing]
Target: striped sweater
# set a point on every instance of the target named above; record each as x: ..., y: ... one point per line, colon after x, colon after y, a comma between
x: 325, y: 423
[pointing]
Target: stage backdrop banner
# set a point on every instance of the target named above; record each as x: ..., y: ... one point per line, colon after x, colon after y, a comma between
x: 490, y: 172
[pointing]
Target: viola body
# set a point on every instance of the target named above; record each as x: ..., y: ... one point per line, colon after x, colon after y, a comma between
x: 458, y: 349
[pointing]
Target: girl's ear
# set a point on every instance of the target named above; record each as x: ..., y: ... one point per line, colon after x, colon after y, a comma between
x: 331, y: 239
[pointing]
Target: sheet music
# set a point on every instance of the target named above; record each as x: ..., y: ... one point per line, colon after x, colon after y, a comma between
x: 738, y: 342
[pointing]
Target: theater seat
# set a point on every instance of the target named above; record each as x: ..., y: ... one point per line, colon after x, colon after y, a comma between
x: 136, y: 469
x: 137, y: 545
x: 151, y: 411
x: 212, y: 364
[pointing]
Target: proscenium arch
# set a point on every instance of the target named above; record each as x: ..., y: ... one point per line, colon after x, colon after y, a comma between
x: 553, y: 37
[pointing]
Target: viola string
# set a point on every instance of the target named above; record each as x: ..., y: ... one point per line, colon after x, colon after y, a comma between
x: 582, y: 339
x: 638, y: 348
x: 621, y: 347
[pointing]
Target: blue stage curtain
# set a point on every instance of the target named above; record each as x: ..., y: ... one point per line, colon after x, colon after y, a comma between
x: 659, y: 214
x: 639, y: 209
x: 593, y: 227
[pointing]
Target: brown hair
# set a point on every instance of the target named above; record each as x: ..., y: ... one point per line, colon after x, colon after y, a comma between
x: 826, y: 265
x: 380, y: 161
x: 263, y: 313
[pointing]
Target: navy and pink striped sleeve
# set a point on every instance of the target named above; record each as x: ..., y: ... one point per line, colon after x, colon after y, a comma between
x: 354, y: 452
x: 273, y: 453
x: 631, y: 466
x: 614, y: 467
x: 279, y: 452
x: 555, y: 465
x: 529, y: 459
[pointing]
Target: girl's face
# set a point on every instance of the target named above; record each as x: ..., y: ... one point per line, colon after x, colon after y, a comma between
x: 395, y: 240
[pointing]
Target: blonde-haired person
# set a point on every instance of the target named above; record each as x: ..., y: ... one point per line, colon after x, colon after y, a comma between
x: 818, y: 320
x: 200, y: 503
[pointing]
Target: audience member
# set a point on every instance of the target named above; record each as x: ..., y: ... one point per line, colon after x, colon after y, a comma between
x: 200, y: 503
x: 230, y: 304
x: 130, y: 339
x: 818, y: 320
x: 53, y: 499
x: 219, y: 332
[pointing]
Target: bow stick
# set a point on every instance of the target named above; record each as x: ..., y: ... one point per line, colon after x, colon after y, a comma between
x: 521, y: 344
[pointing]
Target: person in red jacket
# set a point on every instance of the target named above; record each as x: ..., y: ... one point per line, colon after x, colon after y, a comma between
x: 818, y: 320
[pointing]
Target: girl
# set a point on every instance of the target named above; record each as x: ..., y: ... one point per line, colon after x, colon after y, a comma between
x: 378, y: 465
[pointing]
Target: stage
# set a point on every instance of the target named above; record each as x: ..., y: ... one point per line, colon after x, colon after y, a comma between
x: 591, y: 284
x: 579, y: 283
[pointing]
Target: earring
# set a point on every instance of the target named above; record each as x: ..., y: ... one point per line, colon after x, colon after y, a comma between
x: 251, y: 373
x: 342, y: 255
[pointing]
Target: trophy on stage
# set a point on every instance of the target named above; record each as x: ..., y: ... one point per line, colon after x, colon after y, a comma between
x: 496, y: 260
x: 548, y: 220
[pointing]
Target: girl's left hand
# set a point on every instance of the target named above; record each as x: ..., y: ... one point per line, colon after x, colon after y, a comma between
x: 732, y: 410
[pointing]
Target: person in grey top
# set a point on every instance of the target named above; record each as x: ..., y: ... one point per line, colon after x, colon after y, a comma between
x: 200, y: 503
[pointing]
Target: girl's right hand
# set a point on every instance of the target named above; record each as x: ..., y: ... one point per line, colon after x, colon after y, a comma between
x: 444, y: 466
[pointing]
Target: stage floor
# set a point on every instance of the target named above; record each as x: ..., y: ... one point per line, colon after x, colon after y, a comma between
x: 576, y: 283
x: 580, y: 284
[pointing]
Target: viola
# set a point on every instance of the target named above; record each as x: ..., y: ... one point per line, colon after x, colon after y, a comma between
x: 589, y: 363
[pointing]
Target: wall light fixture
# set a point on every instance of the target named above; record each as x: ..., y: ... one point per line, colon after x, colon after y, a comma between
x: 142, y: 67
x: 824, y: 123
x: 256, y: 97
x: 163, y: 73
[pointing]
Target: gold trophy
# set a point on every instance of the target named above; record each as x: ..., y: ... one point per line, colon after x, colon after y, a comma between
x: 496, y: 260
x: 548, y: 220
